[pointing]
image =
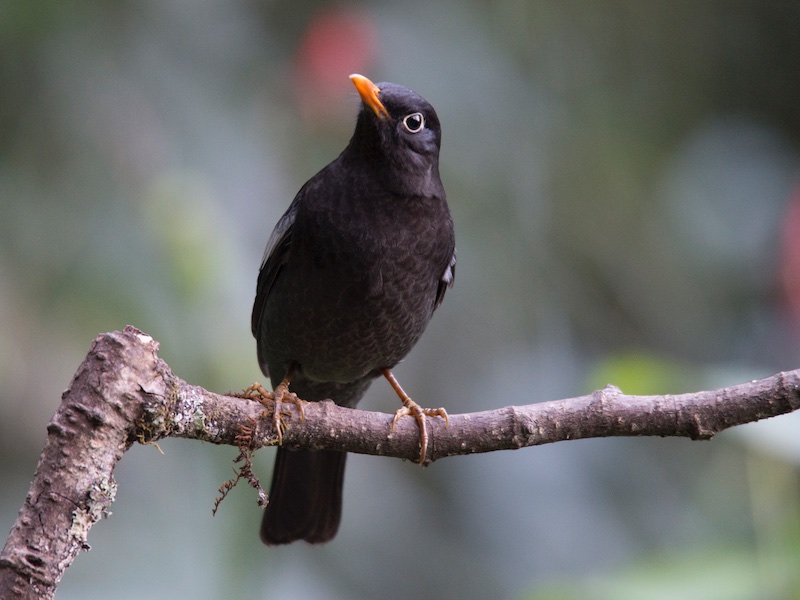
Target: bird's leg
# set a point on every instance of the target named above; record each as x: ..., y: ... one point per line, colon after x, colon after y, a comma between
x: 282, y: 394
x: 413, y: 409
x: 278, y: 397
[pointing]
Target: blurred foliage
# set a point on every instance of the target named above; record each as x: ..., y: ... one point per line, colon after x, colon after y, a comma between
x: 640, y: 374
x: 622, y: 176
x: 725, y: 572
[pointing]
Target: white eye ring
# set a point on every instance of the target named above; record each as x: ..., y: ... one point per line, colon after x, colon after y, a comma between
x: 414, y: 123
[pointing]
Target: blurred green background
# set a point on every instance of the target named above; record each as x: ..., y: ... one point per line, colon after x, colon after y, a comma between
x: 624, y: 181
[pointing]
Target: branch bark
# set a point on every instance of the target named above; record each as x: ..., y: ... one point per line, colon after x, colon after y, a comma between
x: 123, y: 393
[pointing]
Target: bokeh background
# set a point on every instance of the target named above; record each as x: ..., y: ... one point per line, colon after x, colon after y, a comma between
x: 624, y: 181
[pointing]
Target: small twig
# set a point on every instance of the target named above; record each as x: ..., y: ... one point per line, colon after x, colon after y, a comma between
x: 244, y: 440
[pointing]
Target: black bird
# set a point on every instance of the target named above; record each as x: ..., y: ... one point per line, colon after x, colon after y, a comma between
x: 350, y: 278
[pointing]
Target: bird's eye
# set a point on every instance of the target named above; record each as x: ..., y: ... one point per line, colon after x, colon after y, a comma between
x: 414, y: 122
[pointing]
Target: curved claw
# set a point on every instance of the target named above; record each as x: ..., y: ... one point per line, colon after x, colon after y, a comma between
x: 412, y: 409
x: 280, y: 396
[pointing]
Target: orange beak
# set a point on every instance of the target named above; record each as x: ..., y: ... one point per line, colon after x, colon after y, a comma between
x: 369, y: 94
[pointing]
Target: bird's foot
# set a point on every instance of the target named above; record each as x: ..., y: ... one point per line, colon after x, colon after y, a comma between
x: 274, y: 401
x: 412, y: 409
x: 281, y: 396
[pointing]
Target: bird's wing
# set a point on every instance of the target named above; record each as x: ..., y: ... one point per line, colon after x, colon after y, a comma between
x: 275, y: 256
x: 445, y: 281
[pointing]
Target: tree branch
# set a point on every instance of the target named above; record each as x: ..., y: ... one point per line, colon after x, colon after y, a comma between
x: 123, y: 393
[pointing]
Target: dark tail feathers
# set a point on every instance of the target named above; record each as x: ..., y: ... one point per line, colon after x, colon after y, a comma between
x: 305, y: 500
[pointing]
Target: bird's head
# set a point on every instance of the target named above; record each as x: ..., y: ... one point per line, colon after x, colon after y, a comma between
x: 399, y: 128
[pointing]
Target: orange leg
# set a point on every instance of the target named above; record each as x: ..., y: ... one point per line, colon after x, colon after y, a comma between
x: 413, y: 409
x: 280, y: 396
